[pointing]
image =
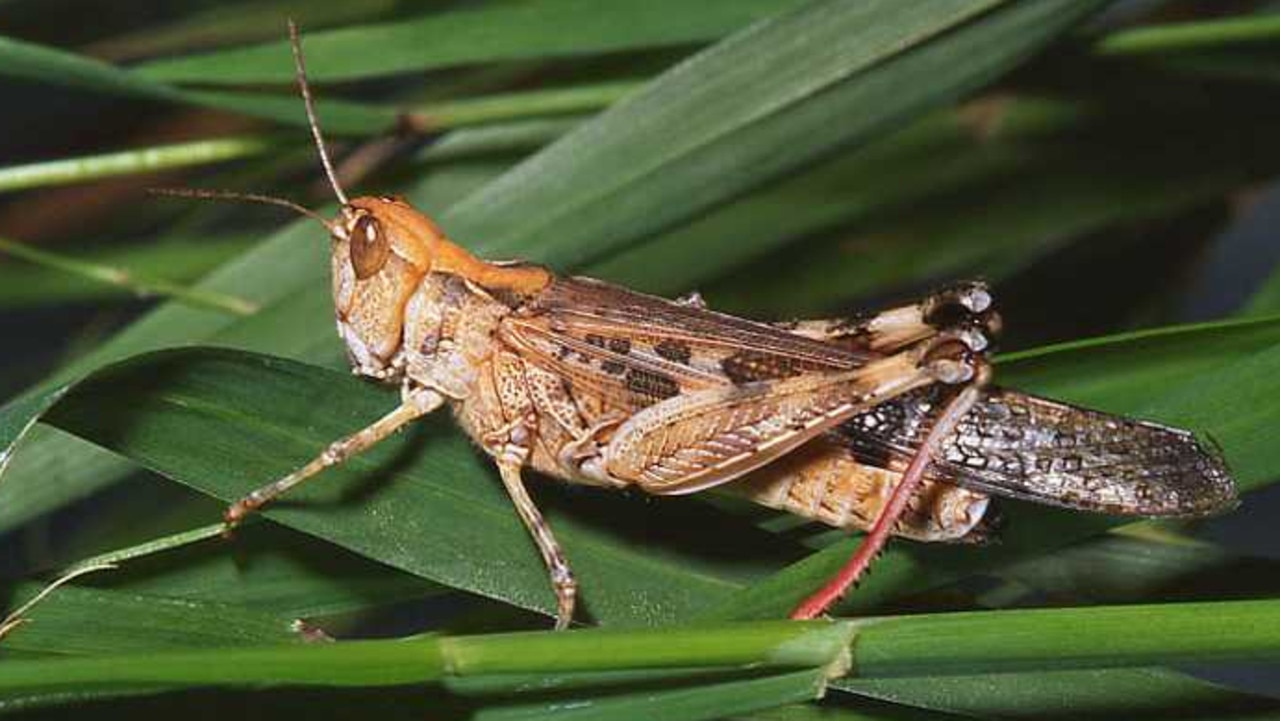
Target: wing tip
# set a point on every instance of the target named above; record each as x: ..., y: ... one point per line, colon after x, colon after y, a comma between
x: 1197, y: 483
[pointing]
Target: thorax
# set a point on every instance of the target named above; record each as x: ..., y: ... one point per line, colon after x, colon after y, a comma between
x: 449, y: 333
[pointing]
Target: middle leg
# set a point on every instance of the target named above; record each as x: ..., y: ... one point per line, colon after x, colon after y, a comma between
x: 558, y: 570
x: 506, y: 415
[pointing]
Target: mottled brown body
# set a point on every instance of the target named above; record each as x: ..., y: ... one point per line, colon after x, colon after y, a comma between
x: 548, y: 369
x: 589, y: 382
x: 885, y: 422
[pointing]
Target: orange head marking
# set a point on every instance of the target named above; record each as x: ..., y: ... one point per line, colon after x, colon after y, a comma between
x: 382, y: 249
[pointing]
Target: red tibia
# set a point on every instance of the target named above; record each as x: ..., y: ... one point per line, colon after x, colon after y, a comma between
x: 825, y: 597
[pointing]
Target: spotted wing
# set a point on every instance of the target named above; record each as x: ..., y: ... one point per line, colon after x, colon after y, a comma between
x: 635, y: 349
x: 1032, y: 448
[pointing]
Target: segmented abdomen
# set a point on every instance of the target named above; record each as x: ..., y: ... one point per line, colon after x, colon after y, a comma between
x: 824, y: 482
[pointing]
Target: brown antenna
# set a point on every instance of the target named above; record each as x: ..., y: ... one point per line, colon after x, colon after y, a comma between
x: 305, y: 88
x: 204, y: 194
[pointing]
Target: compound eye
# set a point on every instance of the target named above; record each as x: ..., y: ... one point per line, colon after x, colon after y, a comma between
x: 369, y: 247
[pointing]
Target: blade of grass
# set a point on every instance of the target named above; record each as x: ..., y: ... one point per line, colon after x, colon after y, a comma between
x: 688, y: 702
x: 1091, y: 694
x: 1127, y: 371
x: 505, y: 31
x: 936, y: 644
x: 1118, y: 568
x: 138, y: 284
x: 891, y: 173
x: 1214, y: 34
x: 400, y: 48
x: 1077, y: 178
x: 80, y: 621
x: 178, y: 259
x: 29, y: 61
x: 498, y: 110
x: 255, y: 591
x: 721, y: 118
x: 520, y: 105
x: 641, y: 703
x: 1066, y: 638
x: 270, y: 570
x: 128, y: 162
x: 778, y: 645
x: 232, y: 23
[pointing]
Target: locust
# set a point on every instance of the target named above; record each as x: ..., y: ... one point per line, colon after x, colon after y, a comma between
x: 887, y: 422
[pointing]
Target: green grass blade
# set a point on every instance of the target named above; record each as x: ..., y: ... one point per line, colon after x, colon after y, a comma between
x: 271, y: 571
x: 38, y: 63
x: 851, y: 187
x: 129, y: 162
x: 29, y: 61
x: 1067, y: 638
x: 1127, y: 371
x: 922, y: 645
x: 505, y: 31
x: 722, y: 119
x: 352, y: 663
x: 1190, y: 36
x: 1030, y: 192
x: 1118, y: 568
x: 1090, y: 694
x: 778, y: 645
x: 500, y: 110
x: 76, y: 621
x: 163, y: 595
x: 224, y: 24
x: 140, y: 285
x: 179, y: 260
x: 520, y: 105
x: 687, y: 702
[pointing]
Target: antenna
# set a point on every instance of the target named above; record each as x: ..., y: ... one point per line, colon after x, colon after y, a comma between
x: 239, y: 197
x: 305, y: 88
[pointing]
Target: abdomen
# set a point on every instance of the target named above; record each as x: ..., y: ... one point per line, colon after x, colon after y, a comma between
x: 824, y: 482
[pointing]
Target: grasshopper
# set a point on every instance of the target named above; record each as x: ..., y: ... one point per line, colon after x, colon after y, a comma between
x: 887, y: 422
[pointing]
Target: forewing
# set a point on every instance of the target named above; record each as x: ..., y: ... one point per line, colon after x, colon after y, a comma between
x: 637, y: 349
x: 1022, y: 446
